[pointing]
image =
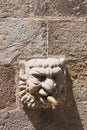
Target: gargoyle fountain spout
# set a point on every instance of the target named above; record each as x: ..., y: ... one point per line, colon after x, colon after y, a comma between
x: 42, y: 82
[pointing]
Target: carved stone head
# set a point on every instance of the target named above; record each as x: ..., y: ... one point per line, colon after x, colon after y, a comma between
x: 42, y: 82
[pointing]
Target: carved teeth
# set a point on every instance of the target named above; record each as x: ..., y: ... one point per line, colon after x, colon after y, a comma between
x: 53, y: 101
x: 42, y: 92
x: 42, y: 100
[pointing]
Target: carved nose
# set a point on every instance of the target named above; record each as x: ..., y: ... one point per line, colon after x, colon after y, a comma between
x: 48, y: 85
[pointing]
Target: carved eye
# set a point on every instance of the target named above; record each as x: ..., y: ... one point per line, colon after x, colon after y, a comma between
x: 42, y: 78
x: 36, y: 76
x: 54, y: 77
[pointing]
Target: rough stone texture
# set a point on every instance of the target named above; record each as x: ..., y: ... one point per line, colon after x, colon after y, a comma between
x: 26, y: 8
x: 22, y: 38
x: 25, y: 32
x: 7, y: 86
x: 18, y: 120
x: 82, y: 108
x: 15, y: 8
x: 41, y: 119
x: 61, y: 8
x: 68, y: 38
x: 78, y: 72
x: 63, y: 118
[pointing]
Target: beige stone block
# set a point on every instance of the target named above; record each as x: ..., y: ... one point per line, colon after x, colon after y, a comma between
x: 22, y: 38
x: 56, y: 8
x: 68, y: 38
x: 7, y: 86
x: 15, y: 8
x: 19, y: 120
x: 63, y: 118
x: 82, y: 109
x: 78, y: 73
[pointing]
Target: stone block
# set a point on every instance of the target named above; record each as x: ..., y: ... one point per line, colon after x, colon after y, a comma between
x: 7, y: 86
x: 80, y: 92
x: 68, y: 38
x: 17, y: 120
x: 82, y: 109
x: 22, y: 38
x: 63, y: 118
x: 15, y: 8
x: 57, y: 8
x: 78, y: 72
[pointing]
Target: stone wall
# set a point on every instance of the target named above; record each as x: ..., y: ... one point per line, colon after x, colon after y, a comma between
x: 43, y: 28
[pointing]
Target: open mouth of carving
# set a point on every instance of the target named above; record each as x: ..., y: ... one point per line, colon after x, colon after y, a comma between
x: 49, y: 101
x: 45, y: 99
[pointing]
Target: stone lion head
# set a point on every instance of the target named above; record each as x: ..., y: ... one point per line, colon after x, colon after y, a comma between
x: 40, y: 79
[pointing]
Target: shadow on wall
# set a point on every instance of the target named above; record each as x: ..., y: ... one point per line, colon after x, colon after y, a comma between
x: 65, y: 117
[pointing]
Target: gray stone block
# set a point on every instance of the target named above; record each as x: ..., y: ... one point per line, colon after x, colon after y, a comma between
x: 68, y: 38
x: 56, y: 8
x: 7, y: 86
x: 14, y: 8
x: 22, y: 38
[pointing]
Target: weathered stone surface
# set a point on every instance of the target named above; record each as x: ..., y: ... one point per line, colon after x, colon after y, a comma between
x: 78, y: 72
x: 61, y: 8
x: 82, y: 108
x: 7, y: 86
x: 80, y: 92
x: 18, y: 120
x: 22, y: 38
x: 63, y: 118
x: 68, y: 38
x: 15, y: 8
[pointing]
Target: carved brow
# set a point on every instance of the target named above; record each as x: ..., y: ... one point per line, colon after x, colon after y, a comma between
x: 56, y: 70
x: 37, y: 71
